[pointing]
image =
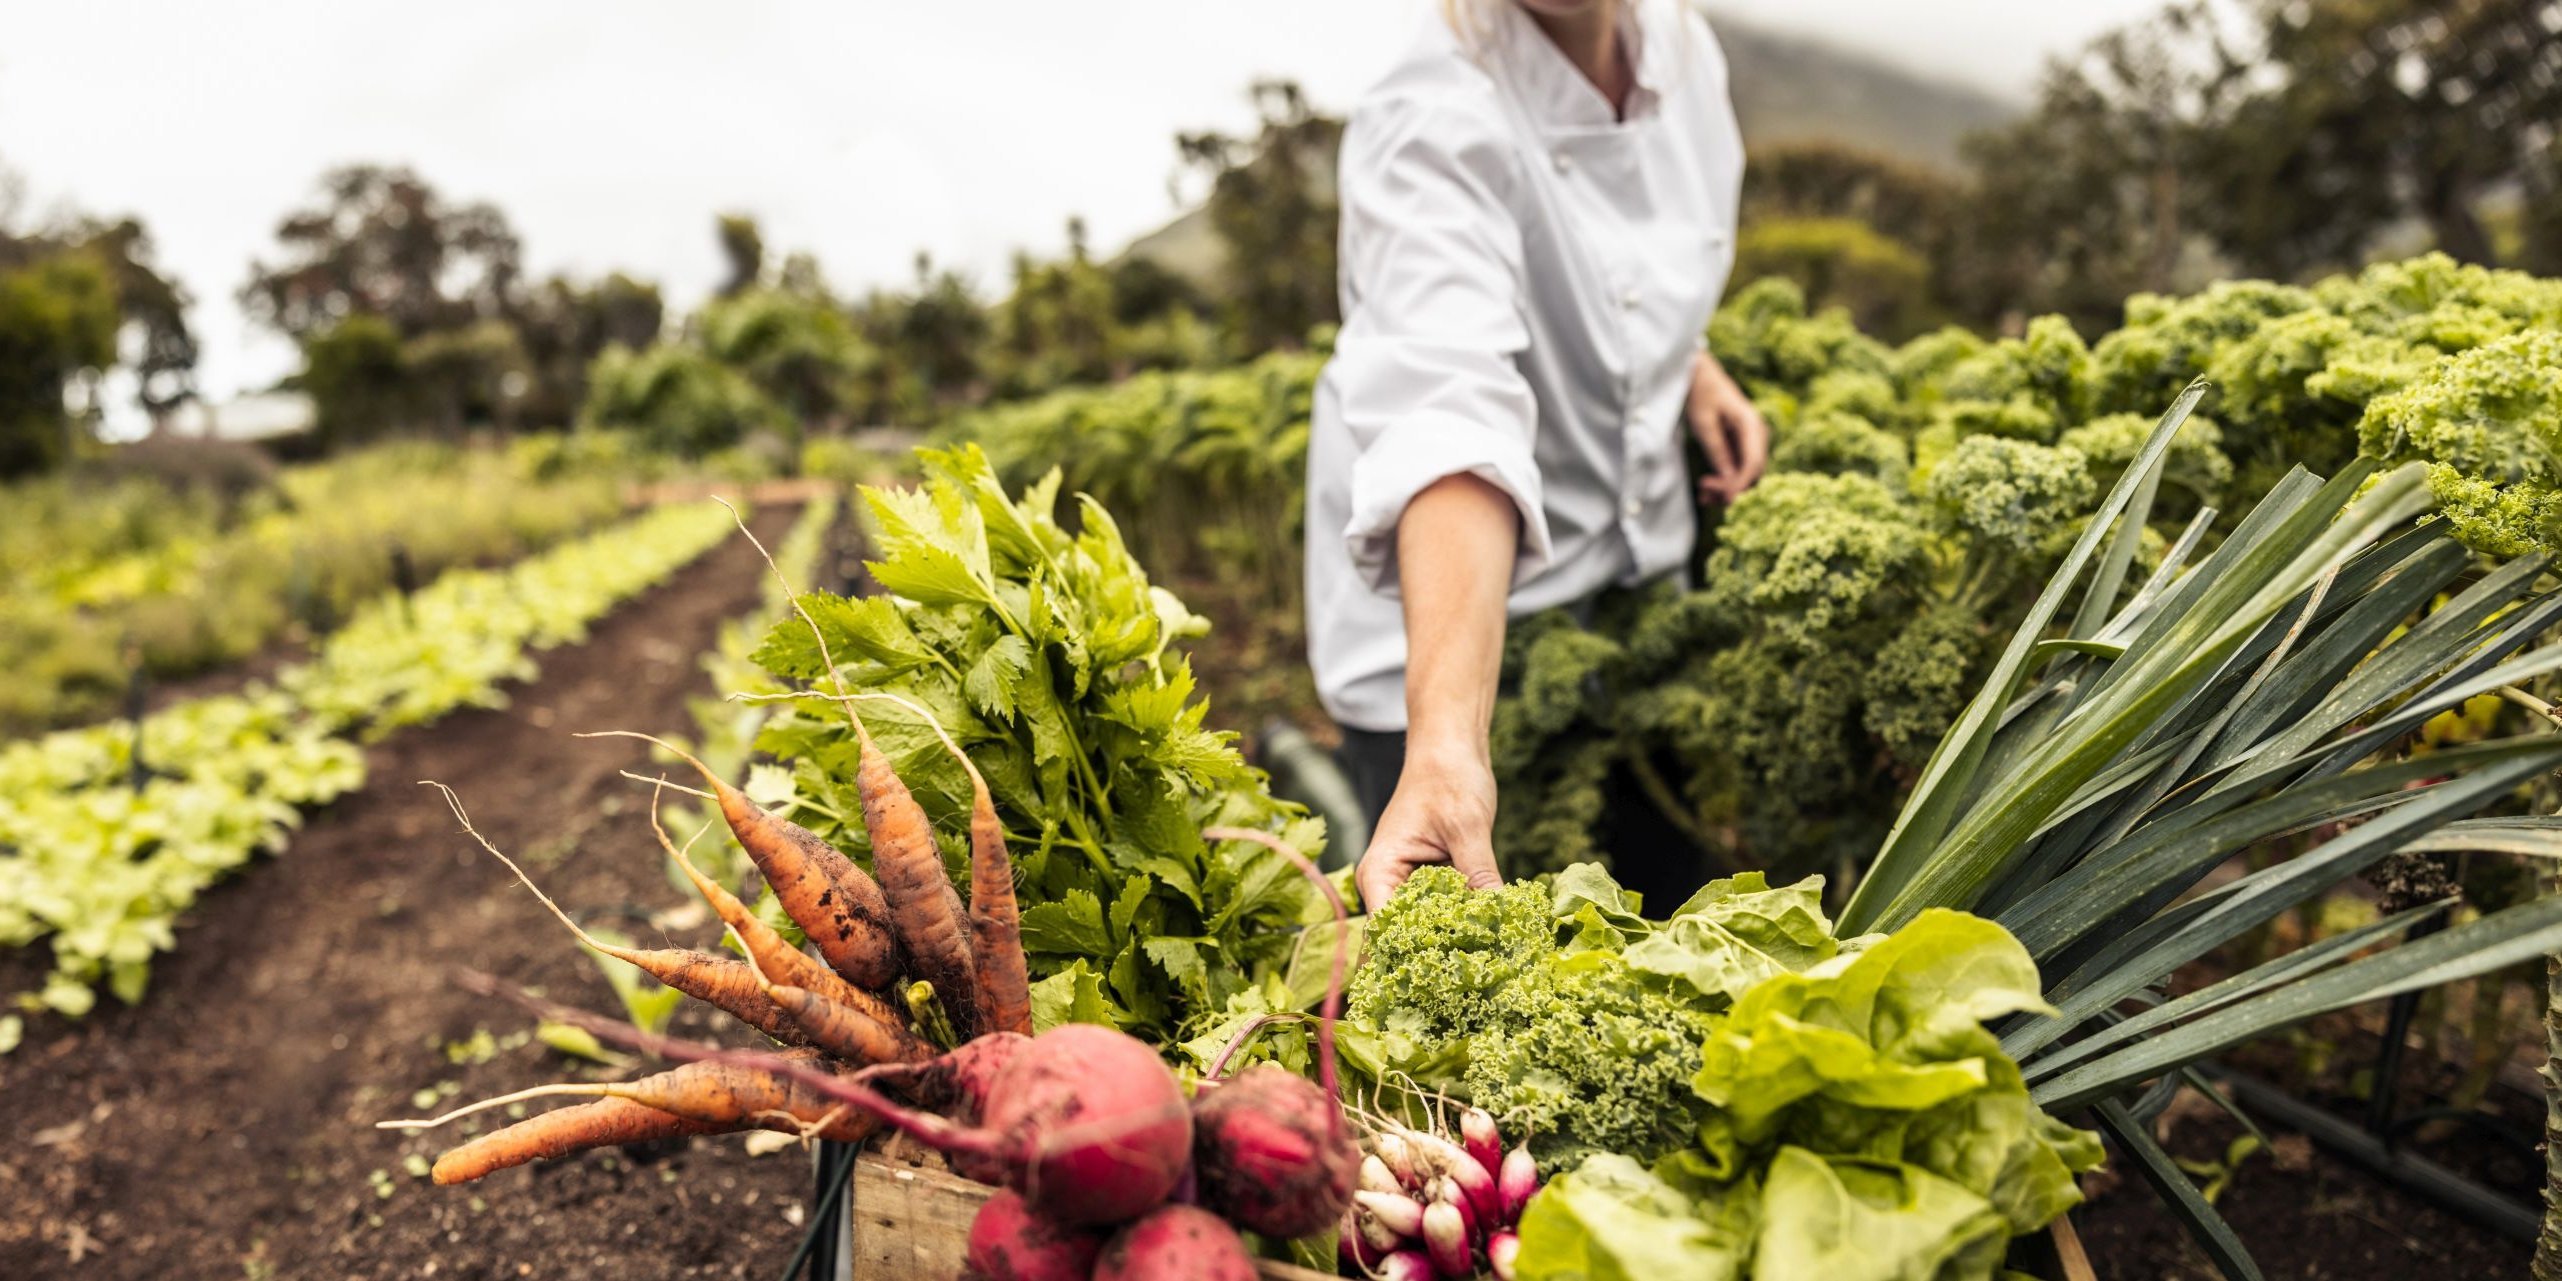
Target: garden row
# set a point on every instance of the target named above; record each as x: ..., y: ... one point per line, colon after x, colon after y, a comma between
x: 201, y: 557
x: 109, y: 833
x: 1750, y: 1084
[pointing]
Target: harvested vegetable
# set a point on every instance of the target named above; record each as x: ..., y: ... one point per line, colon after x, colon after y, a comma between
x: 841, y: 910
x: 1010, y: 1243
x: 1176, y: 1243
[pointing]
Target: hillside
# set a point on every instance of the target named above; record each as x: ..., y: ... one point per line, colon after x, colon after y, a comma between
x: 1786, y: 87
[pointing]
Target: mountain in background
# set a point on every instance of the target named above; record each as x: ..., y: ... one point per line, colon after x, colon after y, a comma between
x: 1787, y: 88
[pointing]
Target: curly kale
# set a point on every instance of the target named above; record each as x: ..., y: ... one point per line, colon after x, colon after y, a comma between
x: 1804, y: 554
x: 1842, y: 444
x: 1443, y: 958
x: 2489, y: 422
x: 2195, y: 464
x: 1591, y: 1056
x: 2011, y: 494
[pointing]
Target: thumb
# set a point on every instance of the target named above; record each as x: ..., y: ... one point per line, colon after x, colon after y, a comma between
x: 1475, y: 860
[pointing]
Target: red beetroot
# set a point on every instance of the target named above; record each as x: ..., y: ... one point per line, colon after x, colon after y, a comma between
x: 1273, y: 1153
x: 1010, y: 1243
x: 1176, y: 1243
x: 1091, y: 1125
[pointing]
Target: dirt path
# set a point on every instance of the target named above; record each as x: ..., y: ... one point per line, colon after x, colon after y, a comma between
x: 222, y: 1128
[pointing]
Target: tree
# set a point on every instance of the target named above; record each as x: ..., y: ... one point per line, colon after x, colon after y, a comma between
x: 1272, y: 203
x: 743, y: 245
x: 58, y: 321
x: 564, y: 326
x: 381, y: 242
x: 356, y: 378
x: 799, y: 350
x: 2361, y: 114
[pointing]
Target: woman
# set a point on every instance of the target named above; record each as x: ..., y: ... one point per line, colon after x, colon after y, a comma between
x: 1538, y: 215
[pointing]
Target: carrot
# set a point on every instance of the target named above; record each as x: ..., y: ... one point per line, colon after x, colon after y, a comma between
x: 771, y: 955
x: 864, y: 1035
x: 723, y: 983
x: 559, y: 1132
x: 924, y: 911
x: 709, y: 1093
x: 996, y: 923
x: 1000, y: 975
x: 841, y: 910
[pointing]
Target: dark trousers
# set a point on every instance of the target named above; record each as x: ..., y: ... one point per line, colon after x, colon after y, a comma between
x: 1372, y: 760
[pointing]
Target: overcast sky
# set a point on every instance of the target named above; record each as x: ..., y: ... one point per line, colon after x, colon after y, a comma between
x: 611, y: 133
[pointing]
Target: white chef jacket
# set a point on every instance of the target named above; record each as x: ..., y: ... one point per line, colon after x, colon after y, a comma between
x: 1524, y: 282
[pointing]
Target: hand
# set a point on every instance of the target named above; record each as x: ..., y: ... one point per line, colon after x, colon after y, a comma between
x: 1729, y: 429
x: 1442, y: 812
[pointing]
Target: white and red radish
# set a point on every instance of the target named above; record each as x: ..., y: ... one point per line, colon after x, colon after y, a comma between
x: 1407, y: 1265
x: 1501, y: 1250
x: 1516, y: 1181
x: 1445, y: 1240
x: 1477, y: 1134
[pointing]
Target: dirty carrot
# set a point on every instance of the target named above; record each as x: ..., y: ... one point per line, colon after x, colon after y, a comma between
x: 863, y: 1035
x: 923, y: 908
x: 772, y: 956
x: 841, y: 910
x: 707, y: 1093
x: 603, y: 1123
x: 723, y: 983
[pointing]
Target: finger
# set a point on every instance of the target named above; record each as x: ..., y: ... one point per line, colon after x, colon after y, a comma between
x: 1476, y: 861
x: 1377, y: 879
x: 1752, y: 440
x: 1721, y: 455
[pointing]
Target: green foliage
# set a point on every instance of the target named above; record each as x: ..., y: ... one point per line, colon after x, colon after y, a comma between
x: 57, y: 317
x: 1920, y: 495
x: 2489, y: 423
x: 101, y: 866
x: 1834, y: 1103
x: 1052, y: 661
x: 1843, y: 262
x: 1206, y: 467
x: 677, y: 399
x: 100, y: 569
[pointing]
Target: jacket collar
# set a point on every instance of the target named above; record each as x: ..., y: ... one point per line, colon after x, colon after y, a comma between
x: 1556, y: 93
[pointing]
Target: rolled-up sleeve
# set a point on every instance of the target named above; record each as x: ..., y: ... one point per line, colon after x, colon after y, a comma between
x: 1425, y: 367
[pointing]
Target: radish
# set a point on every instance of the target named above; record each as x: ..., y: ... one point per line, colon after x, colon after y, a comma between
x: 1403, y: 1163
x: 1477, y: 1134
x: 1352, y: 1242
x: 1445, y: 1238
x: 1176, y: 1243
x: 1398, y: 1213
x: 1436, y: 1155
x: 1009, y: 1243
x: 1406, y: 1265
x: 1501, y: 1250
x: 1442, y: 1190
x: 1375, y: 1232
x: 1517, y: 1182
x: 1376, y: 1178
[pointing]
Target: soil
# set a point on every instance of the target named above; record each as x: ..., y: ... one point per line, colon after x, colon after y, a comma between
x: 2305, y: 1214
x: 223, y: 1127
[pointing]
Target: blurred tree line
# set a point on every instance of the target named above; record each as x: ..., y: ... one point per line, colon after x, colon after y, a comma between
x: 2277, y: 138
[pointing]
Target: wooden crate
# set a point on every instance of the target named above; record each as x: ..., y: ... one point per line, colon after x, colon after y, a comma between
x: 913, y: 1224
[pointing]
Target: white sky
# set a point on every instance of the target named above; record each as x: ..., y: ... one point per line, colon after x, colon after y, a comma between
x: 611, y: 133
